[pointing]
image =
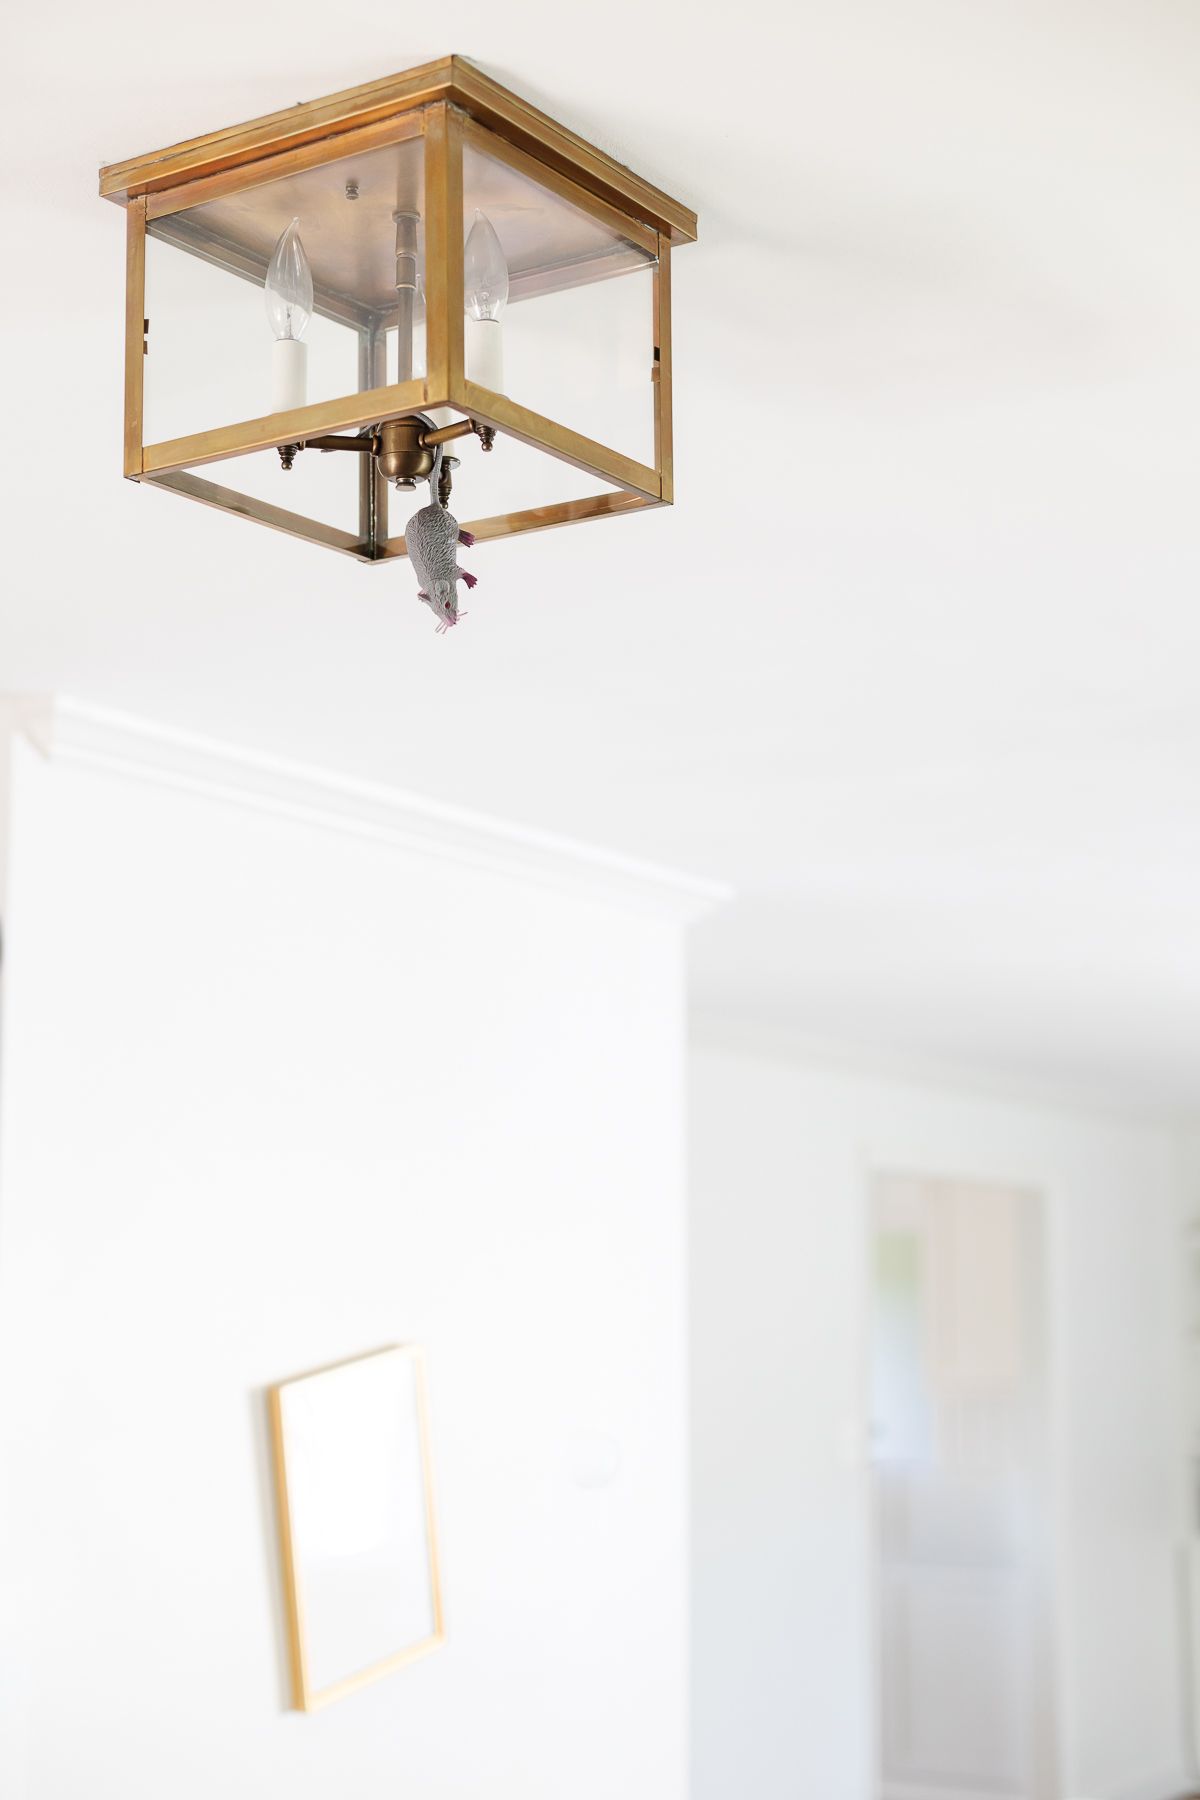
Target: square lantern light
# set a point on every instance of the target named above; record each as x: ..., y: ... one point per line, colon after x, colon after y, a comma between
x: 478, y: 273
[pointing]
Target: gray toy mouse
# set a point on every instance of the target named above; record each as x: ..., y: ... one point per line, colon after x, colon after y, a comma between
x: 432, y: 537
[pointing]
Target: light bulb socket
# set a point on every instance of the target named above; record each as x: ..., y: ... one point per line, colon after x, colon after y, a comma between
x: 289, y: 374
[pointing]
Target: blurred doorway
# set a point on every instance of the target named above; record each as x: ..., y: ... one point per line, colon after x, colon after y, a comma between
x: 960, y: 1506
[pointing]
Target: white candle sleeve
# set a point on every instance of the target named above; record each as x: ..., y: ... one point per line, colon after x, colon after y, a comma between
x: 485, y: 353
x: 289, y: 375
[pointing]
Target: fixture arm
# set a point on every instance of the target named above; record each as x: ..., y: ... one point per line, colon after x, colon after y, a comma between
x: 446, y: 433
x: 367, y: 444
x: 402, y: 448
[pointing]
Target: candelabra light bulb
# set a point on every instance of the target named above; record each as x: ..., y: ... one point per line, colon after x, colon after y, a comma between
x: 289, y: 286
x: 485, y: 271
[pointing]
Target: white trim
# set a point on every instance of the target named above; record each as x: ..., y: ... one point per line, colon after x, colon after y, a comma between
x: 68, y: 731
x: 945, y: 1790
x: 724, y: 1029
x: 1178, y: 1785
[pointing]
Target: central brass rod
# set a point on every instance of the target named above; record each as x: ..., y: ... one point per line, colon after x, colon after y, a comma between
x: 406, y: 290
x: 372, y: 494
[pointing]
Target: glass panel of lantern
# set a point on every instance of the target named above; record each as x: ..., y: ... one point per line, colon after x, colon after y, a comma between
x: 559, y: 304
x: 515, y: 478
x: 560, y: 319
x: 277, y: 296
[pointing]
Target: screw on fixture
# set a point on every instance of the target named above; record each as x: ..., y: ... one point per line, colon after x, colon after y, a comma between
x: 445, y: 478
x: 287, y: 455
x: 352, y: 188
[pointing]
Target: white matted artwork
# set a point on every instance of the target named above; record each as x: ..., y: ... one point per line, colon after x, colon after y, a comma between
x: 357, y: 1526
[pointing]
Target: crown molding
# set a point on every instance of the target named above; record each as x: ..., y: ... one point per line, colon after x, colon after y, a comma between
x: 724, y: 1030
x: 70, y: 732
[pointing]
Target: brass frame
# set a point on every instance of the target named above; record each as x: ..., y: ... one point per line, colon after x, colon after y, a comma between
x: 450, y: 103
x: 304, y: 1697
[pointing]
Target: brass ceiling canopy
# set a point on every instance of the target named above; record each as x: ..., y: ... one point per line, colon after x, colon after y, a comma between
x: 439, y: 261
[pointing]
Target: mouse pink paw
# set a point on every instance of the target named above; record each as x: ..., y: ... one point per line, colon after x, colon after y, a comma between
x: 470, y: 580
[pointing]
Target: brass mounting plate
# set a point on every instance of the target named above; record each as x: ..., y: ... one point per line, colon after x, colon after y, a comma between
x: 451, y: 78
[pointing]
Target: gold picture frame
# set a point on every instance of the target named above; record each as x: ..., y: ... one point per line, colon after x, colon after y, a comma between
x: 352, y: 1461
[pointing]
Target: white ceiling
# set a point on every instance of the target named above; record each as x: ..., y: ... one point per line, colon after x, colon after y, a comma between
x: 917, y: 668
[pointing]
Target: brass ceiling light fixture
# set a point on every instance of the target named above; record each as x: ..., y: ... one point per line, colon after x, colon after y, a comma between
x: 441, y: 264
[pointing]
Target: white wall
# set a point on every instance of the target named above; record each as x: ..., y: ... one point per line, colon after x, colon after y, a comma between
x: 781, y: 1155
x: 273, y: 1095
x: 1189, y: 1465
